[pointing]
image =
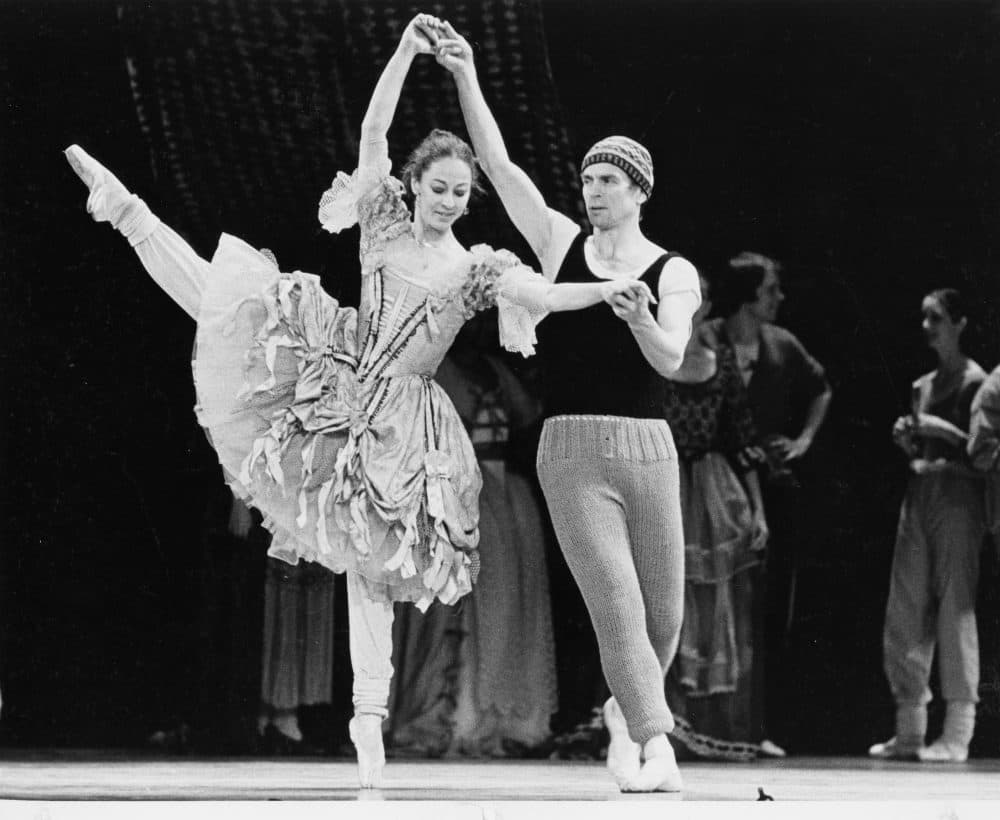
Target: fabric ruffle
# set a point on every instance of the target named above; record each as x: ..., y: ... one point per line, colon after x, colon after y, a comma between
x: 493, y: 275
x: 493, y: 279
x: 325, y: 455
x: 338, y: 206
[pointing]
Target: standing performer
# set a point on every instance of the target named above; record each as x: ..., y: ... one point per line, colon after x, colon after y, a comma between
x: 725, y: 534
x: 606, y: 459
x: 789, y: 396
x: 327, y: 419
x: 935, y: 562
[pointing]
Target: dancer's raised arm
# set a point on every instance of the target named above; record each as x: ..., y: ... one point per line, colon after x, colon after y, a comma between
x: 544, y: 229
x: 418, y: 38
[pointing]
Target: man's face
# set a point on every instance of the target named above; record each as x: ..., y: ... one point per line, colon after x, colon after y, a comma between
x: 769, y: 298
x: 610, y: 196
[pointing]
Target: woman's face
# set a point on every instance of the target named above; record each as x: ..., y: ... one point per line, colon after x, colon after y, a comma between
x: 942, y: 334
x: 442, y: 192
x: 769, y: 298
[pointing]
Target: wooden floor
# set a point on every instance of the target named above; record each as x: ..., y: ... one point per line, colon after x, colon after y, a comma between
x: 487, y: 789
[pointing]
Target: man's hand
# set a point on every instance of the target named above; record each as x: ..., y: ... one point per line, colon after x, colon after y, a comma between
x: 629, y: 299
x: 453, y: 50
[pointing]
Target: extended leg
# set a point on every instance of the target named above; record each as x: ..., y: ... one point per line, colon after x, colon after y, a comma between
x: 168, y: 259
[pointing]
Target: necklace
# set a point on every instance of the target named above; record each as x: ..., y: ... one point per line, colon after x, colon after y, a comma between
x: 426, y: 244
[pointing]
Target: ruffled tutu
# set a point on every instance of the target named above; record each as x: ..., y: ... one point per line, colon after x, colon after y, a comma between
x: 376, y: 477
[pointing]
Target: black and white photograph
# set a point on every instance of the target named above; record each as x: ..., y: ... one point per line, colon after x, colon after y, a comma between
x: 500, y: 408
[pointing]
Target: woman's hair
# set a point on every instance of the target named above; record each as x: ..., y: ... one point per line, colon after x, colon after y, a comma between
x: 745, y: 275
x: 952, y: 302
x: 439, y: 144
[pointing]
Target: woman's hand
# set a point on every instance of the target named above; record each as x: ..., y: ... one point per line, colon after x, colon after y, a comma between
x: 453, y: 50
x: 421, y: 35
x: 902, y: 435
x: 783, y: 449
x: 923, y: 466
x: 760, y: 533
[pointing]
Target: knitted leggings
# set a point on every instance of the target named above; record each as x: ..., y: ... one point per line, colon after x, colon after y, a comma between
x: 612, y: 489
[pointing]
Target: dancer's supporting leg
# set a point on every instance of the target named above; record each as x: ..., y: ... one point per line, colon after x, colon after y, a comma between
x: 908, y: 633
x: 370, y: 625
x: 653, y: 513
x: 599, y: 501
x: 955, y: 517
x: 168, y: 259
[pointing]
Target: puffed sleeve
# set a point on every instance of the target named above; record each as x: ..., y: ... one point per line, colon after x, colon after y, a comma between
x: 371, y: 198
x: 499, y: 279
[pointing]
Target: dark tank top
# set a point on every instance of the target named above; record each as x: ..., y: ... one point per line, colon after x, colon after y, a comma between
x: 592, y: 362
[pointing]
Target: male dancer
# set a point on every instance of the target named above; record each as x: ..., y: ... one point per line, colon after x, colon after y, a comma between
x: 606, y: 460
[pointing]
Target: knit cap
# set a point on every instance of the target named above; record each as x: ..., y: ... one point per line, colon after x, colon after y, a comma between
x: 626, y: 154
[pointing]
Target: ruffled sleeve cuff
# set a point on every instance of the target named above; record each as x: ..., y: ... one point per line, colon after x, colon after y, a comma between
x: 500, y: 278
x: 338, y: 207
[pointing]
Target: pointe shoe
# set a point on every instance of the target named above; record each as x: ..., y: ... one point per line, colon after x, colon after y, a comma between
x: 366, y: 735
x: 768, y: 748
x: 659, y: 772
x: 941, y: 751
x: 895, y: 749
x: 107, y: 194
x: 623, y: 753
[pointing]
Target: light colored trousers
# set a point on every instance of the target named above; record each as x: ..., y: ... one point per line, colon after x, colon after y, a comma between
x: 613, y: 491
x: 932, y: 593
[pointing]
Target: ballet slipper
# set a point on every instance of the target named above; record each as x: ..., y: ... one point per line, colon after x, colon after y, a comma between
x: 623, y: 753
x: 768, y: 748
x: 896, y: 748
x: 287, y: 724
x: 108, y: 196
x: 956, y: 735
x: 942, y: 751
x: 366, y: 735
x: 659, y: 772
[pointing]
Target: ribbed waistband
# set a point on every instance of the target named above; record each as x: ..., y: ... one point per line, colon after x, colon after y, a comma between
x: 619, y: 437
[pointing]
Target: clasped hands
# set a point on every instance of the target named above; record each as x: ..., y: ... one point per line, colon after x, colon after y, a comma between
x: 629, y: 299
x: 431, y: 35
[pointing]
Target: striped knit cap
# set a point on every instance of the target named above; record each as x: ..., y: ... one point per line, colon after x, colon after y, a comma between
x: 626, y: 154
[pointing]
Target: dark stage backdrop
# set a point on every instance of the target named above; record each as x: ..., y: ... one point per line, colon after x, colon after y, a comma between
x: 857, y: 142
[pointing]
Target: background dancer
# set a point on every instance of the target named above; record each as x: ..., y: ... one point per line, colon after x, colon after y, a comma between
x: 606, y: 460
x: 301, y: 398
x: 725, y: 535
x: 935, y: 563
x: 789, y: 396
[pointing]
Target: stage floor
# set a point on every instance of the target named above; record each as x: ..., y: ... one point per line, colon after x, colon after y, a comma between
x: 77, y: 775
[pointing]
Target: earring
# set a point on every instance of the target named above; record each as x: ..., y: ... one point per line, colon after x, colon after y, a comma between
x: 466, y: 211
